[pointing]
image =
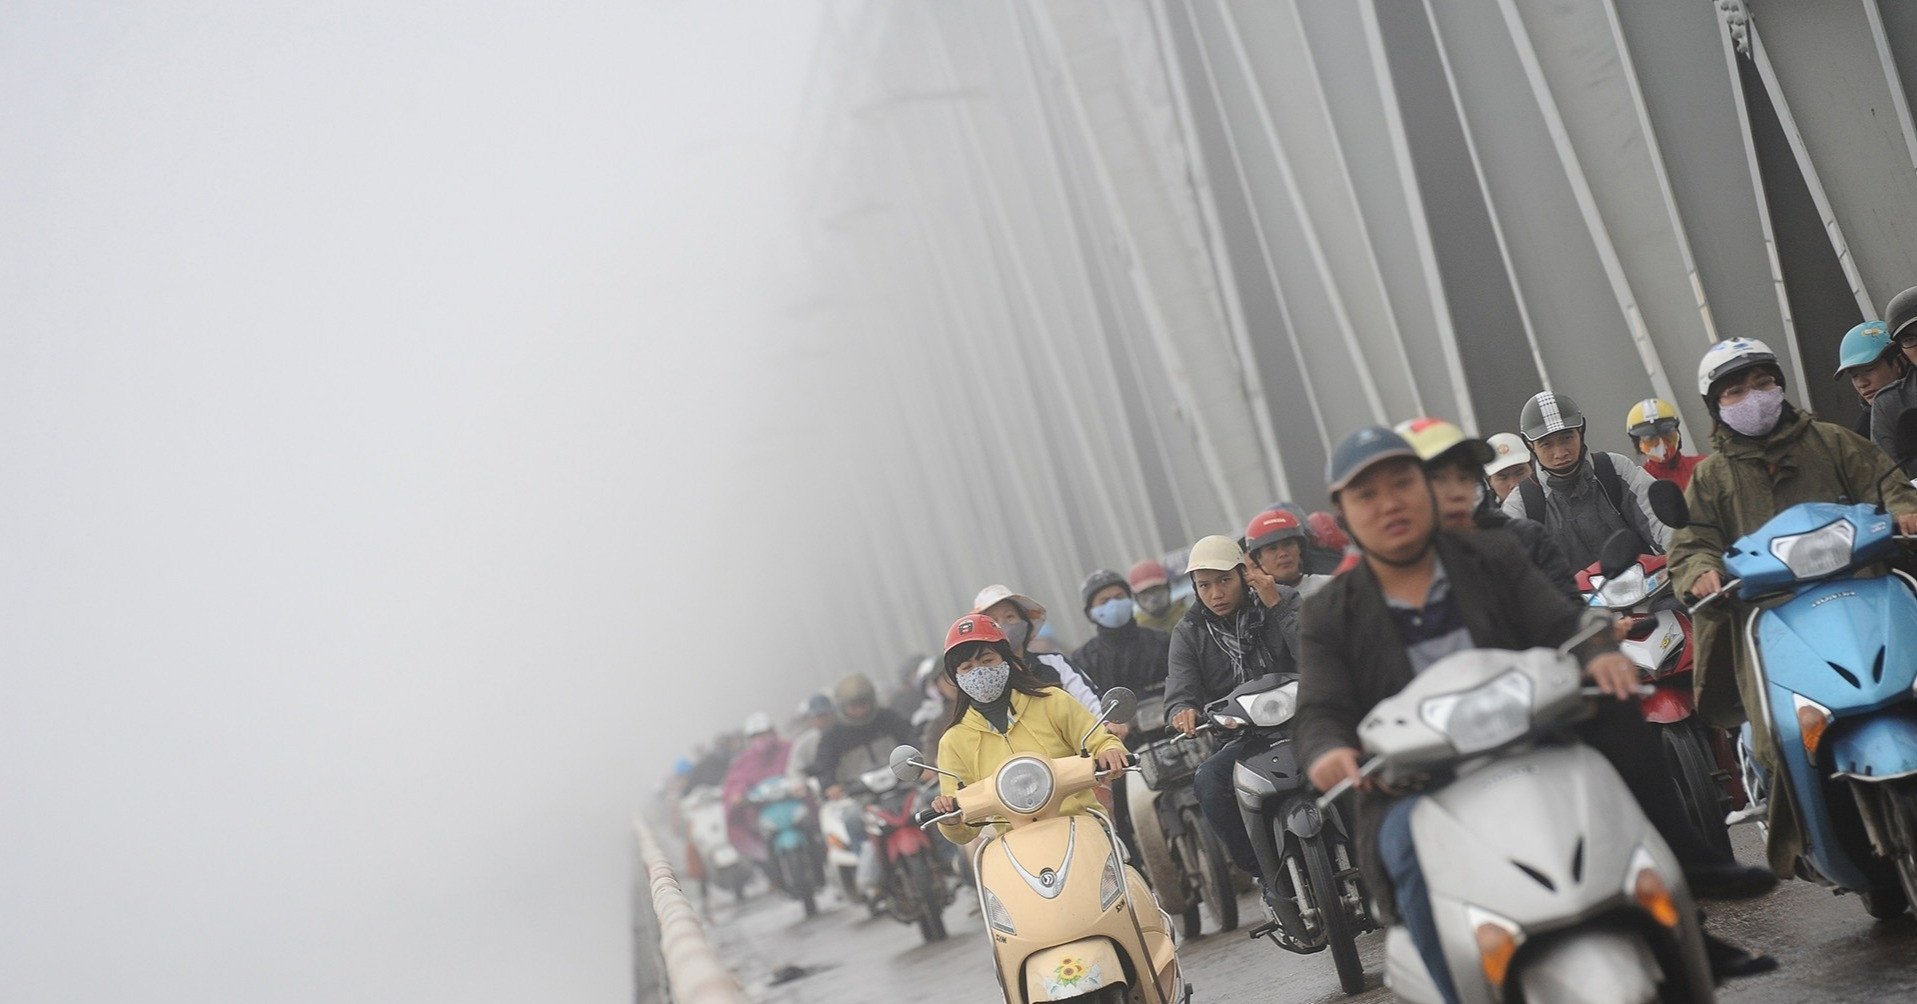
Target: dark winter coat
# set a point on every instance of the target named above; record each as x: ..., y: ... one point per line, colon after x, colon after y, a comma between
x: 1127, y: 656
x: 1201, y: 670
x: 1540, y: 545
x: 849, y: 749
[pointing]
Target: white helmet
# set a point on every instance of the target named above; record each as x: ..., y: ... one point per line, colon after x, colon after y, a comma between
x: 757, y: 723
x: 1508, y: 451
x: 1729, y: 356
x: 1215, y: 553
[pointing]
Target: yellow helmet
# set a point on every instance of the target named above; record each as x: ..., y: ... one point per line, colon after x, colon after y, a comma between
x: 1216, y: 553
x: 1434, y: 437
x: 1647, y: 414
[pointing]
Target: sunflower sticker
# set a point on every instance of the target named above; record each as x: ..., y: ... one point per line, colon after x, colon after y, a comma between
x: 1072, y: 974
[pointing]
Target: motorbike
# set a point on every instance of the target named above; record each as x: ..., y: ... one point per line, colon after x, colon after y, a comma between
x: 911, y: 882
x: 1181, y: 857
x: 1702, y: 759
x: 1305, y: 851
x: 786, y: 823
x: 1837, y: 674
x: 1066, y: 917
x: 705, y: 816
x: 1546, y: 881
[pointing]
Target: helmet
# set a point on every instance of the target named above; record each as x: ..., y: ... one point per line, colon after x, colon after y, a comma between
x: 1324, y: 526
x: 1901, y: 312
x: 1270, y: 527
x: 1507, y: 450
x: 1863, y: 345
x: 1435, y: 437
x: 1146, y: 574
x: 681, y: 766
x: 995, y: 594
x: 1215, y: 553
x: 854, y: 689
x: 1650, y: 417
x: 816, y: 705
x: 1547, y: 413
x: 1098, y: 582
x: 972, y: 627
x: 1355, y: 454
x: 1729, y: 356
x: 757, y: 723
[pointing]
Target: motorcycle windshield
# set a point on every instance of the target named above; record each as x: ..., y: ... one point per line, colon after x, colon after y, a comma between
x: 1803, y: 543
x: 1832, y: 643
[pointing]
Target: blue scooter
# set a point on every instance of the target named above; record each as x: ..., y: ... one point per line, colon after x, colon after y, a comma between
x: 786, y: 822
x: 1839, y: 663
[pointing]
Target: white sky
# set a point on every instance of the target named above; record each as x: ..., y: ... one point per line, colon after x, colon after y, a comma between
x: 369, y: 478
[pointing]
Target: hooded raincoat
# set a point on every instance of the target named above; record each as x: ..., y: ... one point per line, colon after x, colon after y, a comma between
x: 762, y: 758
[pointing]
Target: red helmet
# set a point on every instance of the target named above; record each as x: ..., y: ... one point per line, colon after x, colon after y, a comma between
x: 1270, y: 527
x: 972, y: 627
x: 1146, y: 574
x: 1325, y: 527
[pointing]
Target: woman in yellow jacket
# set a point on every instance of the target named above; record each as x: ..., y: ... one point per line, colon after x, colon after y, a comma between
x: 1003, y: 711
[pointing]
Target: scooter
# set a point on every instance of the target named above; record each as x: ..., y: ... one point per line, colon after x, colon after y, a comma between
x: 1838, y: 671
x: 785, y: 821
x: 1546, y: 881
x: 1181, y: 857
x: 1067, y: 918
x: 1702, y: 759
x: 1305, y: 852
x: 706, y: 830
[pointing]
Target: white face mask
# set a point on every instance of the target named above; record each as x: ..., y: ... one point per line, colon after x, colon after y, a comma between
x: 985, y: 684
x: 1757, y: 414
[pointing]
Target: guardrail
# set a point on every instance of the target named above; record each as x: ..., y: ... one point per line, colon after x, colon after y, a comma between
x: 693, y: 972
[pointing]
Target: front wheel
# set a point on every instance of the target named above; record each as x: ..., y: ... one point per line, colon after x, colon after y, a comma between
x: 1687, y: 754
x: 1214, y: 877
x: 1325, y: 892
x: 797, y: 869
x: 1900, y: 817
x: 925, y: 885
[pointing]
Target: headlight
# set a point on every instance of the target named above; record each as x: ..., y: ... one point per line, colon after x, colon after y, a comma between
x: 1483, y: 717
x: 1112, y: 883
x: 1820, y: 552
x: 1025, y: 784
x: 1627, y: 589
x: 1273, y: 707
x: 996, y: 914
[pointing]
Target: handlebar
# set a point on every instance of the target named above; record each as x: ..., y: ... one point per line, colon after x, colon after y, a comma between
x: 925, y: 818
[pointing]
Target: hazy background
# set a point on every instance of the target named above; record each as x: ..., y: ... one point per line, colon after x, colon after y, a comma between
x: 384, y: 496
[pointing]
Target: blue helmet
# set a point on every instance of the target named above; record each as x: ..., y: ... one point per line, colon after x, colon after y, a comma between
x: 1357, y: 452
x: 682, y: 766
x: 1863, y: 345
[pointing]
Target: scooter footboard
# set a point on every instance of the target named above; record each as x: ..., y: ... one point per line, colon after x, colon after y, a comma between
x: 1072, y: 970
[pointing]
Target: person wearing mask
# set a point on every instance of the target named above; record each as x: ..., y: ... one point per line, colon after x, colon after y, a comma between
x: 1244, y: 626
x: 1002, y: 711
x: 1019, y: 617
x: 1899, y: 396
x: 862, y: 739
x: 1421, y: 594
x: 1453, y: 463
x: 1659, y: 434
x: 764, y: 756
x: 1510, y: 463
x: 1278, y: 545
x: 1768, y: 457
x: 1123, y: 653
x: 1151, y: 588
x: 816, y: 715
x: 1583, y: 498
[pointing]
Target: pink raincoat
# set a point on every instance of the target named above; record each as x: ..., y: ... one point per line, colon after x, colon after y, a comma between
x: 764, y: 757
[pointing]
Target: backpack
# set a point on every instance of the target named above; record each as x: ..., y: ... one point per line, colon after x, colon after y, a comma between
x: 1608, y: 479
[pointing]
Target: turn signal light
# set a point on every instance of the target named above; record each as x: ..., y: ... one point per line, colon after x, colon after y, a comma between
x: 1654, y: 897
x: 1496, y: 947
x: 1812, y: 720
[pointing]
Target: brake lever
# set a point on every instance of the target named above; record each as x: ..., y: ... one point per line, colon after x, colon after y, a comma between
x: 1641, y: 690
x: 1722, y: 591
x: 1368, y: 768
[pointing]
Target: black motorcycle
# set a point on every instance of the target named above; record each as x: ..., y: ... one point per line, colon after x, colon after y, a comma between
x: 1180, y: 855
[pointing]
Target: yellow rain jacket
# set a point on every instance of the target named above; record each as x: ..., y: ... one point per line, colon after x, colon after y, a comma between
x: 1047, y: 726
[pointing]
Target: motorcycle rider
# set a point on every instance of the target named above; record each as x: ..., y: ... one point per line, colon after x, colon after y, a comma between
x: 1871, y: 362
x: 1245, y: 625
x: 1769, y: 456
x: 1278, y: 545
x: 861, y: 740
x: 1151, y: 587
x: 1659, y: 434
x: 1891, y: 401
x: 1422, y: 593
x: 1003, y: 710
x: 1019, y: 617
x: 1510, y: 463
x: 817, y: 715
x: 1123, y: 653
x: 1452, y: 463
x: 764, y: 756
x: 1583, y: 497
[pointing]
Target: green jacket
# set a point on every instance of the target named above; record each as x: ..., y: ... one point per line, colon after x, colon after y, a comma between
x: 1736, y: 490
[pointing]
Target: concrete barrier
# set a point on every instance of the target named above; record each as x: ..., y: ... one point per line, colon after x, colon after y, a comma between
x: 694, y: 973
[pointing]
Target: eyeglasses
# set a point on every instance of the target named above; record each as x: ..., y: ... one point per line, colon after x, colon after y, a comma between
x: 1908, y: 339
x: 1655, y: 430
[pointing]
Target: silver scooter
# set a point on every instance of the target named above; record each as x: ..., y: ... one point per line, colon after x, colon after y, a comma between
x: 1547, y: 883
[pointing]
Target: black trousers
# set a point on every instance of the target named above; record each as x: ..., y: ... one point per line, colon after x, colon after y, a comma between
x: 1636, y: 750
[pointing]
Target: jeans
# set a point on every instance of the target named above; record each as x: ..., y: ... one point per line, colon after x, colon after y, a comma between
x: 1412, y: 896
x: 1219, y: 802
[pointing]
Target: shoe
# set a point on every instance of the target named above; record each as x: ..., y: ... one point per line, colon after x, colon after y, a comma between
x: 1729, y: 880
x: 1729, y: 962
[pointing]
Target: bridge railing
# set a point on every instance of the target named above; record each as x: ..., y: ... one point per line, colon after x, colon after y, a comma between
x: 694, y: 973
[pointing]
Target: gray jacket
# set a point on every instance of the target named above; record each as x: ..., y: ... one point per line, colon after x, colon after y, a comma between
x: 1582, y: 518
x: 1202, y: 670
x: 1885, y: 408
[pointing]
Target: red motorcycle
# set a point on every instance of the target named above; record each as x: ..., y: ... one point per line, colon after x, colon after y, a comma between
x: 912, y: 881
x: 1702, y: 759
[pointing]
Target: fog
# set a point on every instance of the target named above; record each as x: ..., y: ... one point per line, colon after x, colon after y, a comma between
x: 380, y: 393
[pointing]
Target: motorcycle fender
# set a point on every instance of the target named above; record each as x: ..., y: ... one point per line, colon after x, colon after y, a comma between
x: 1072, y: 970
x: 1880, y: 747
x: 1303, y: 818
x: 1265, y: 774
x: 905, y: 842
x: 1669, y: 704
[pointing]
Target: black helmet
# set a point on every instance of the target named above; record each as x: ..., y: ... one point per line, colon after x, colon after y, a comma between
x: 1547, y: 413
x: 1098, y: 582
x: 1900, y: 314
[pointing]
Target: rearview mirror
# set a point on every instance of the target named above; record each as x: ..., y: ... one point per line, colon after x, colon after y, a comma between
x: 1120, y: 705
x: 1619, y: 553
x: 1667, y: 501
x: 902, y: 766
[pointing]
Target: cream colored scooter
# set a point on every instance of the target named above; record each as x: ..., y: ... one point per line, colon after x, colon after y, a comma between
x: 1068, y: 918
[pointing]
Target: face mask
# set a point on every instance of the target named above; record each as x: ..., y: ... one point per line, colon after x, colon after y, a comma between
x: 1113, y: 613
x: 1659, y: 450
x: 985, y: 684
x: 1756, y: 415
x: 1155, y: 601
x: 1016, y: 633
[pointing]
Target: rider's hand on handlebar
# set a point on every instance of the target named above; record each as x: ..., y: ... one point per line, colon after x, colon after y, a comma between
x: 837, y: 791
x: 1186, y: 720
x: 1907, y: 522
x: 945, y: 805
x: 1614, y: 674
x: 1112, y: 759
x: 1334, y: 766
x: 1707, y: 584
